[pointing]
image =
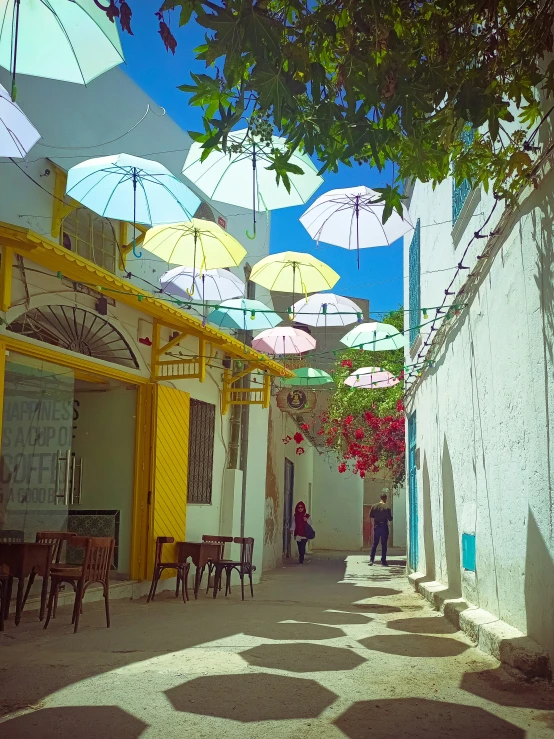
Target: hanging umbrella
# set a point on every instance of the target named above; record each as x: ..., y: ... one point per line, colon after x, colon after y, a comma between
x: 213, y: 284
x: 283, y: 340
x: 369, y: 378
x: 326, y: 309
x: 309, y: 376
x: 17, y: 133
x: 293, y: 272
x: 244, y: 314
x: 374, y: 337
x: 68, y: 40
x: 128, y: 188
x: 352, y: 219
x: 241, y: 177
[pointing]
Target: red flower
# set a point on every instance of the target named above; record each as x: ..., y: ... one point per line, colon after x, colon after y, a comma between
x: 359, y: 434
x: 342, y: 467
x: 346, y: 363
x: 305, y: 427
x: 286, y: 439
x: 298, y: 437
x: 348, y: 420
x: 300, y: 450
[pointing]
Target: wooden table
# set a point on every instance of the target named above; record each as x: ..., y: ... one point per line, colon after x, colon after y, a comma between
x: 20, y: 560
x: 200, y: 552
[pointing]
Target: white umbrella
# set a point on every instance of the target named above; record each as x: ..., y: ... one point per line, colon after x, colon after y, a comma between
x: 241, y: 176
x: 374, y: 337
x: 352, y: 219
x: 68, y: 40
x: 283, y: 340
x: 212, y: 284
x: 326, y: 309
x: 17, y: 133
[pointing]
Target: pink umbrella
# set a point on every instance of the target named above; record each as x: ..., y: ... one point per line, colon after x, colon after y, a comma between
x: 283, y: 340
x: 371, y: 377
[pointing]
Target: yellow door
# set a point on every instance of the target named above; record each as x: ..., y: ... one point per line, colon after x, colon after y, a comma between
x: 169, y: 473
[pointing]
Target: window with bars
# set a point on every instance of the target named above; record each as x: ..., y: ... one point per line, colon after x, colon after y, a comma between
x: 201, y: 452
x: 90, y: 236
x: 460, y: 192
x: 414, y: 284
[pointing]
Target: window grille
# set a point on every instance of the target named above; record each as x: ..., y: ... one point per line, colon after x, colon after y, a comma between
x: 414, y: 286
x: 90, y: 236
x: 201, y: 452
x: 460, y: 192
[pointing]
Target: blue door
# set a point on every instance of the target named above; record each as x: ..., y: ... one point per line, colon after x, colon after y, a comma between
x: 413, y: 512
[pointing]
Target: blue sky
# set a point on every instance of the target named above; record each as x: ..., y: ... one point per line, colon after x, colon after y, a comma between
x: 159, y: 74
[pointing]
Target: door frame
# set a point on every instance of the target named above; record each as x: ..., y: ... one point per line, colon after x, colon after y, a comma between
x: 288, y: 500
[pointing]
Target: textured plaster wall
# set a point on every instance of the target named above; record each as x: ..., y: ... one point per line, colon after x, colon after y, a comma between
x: 338, y: 506
x: 484, y: 414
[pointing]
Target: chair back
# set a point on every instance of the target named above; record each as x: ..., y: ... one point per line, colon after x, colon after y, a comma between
x: 57, y: 539
x: 160, y: 541
x: 12, y: 536
x: 213, y: 539
x: 246, y: 549
x: 98, y: 556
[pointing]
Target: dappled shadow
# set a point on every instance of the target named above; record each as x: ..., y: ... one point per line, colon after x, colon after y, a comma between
x: 378, y: 608
x: 415, y: 646
x: 85, y: 722
x: 302, y: 657
x: 257, y: 697
x: 296, y: 631
x: 424, y: 625
x: 417, y: 717
x: 499, y: 687
x: 333, y: 618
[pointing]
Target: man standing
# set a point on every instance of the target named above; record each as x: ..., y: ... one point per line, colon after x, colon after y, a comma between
x: 381, y: 515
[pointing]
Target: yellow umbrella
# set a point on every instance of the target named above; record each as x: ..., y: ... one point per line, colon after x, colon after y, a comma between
x: 196, y: 243
x: 293, y: 272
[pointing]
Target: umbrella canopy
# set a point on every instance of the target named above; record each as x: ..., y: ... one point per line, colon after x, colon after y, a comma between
x: 248, y: 315
x: 293, y: 272
x: 374, y: 337
x: 69, y: 41
x: 326, y: 309
x: 370, y: 378
x: 241, y: 177
x: 309, y: 376
x: 195, y: 243
x: 350, y: 218
x: 213, y: 284
x: 283, y: 340
x: 128, y: 188
x: 17, y: 133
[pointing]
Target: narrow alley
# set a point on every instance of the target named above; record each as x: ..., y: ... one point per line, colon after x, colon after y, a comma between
x: 332, y: 649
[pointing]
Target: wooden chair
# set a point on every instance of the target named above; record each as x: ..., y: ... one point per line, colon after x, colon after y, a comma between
x: 57, y: 539
x: 182, y: 569
x: 95, y: 569
x: 12, y: 536
x: 244, y: 567
x: 8, y: 536
x: 211, y: 565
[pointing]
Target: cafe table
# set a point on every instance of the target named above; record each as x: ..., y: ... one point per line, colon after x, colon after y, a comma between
x: 200, y: 552
x: 19, y: 560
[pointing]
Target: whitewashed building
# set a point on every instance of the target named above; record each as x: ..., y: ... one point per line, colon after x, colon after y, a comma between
x: 480, y: 444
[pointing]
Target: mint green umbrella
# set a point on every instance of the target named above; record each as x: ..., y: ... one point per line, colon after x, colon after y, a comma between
x: 309, y: 376
x: 67, y: 40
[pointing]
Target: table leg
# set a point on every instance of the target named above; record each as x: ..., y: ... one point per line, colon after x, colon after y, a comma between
x: 43, y: 597
x: 7, y: 596
x: 197, y: 581
x: 19, y: 600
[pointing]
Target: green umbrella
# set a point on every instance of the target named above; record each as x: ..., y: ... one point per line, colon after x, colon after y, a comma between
x: 374, y: 337
x: 309, y: 376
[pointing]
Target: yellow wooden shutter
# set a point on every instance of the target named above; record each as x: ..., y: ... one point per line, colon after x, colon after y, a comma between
x: 170, y: 468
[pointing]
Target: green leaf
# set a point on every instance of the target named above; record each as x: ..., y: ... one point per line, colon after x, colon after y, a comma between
x: 274, y: 89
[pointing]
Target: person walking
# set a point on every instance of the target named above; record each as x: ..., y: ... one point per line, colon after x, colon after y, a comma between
x: 381, y: 515
x: 301, y: 518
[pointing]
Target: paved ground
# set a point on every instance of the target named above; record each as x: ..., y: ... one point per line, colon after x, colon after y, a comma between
x: 329, y: 650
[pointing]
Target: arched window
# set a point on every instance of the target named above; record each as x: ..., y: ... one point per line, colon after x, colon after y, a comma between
x: 90, y: 236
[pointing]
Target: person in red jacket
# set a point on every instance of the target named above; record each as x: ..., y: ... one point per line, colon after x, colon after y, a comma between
x: 301, y: 518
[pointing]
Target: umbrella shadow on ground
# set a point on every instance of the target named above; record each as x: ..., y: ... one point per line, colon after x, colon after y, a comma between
x: 499, y: 687
x: 417, y: 717
x: 378, y: 608
x: 86, y: 722
x: 410, y: 645
x: 332, y: 618
x: 379, y: 592
x: 424, y: 625
x: 252, y: 697
x: 296, y: 631
x: 302, y: 657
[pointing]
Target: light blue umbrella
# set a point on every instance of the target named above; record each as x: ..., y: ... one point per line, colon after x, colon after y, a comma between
x: 244, y: 314
x: 132, y: 189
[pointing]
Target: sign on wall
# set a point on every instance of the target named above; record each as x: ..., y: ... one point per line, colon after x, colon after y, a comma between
x: 296, y: 400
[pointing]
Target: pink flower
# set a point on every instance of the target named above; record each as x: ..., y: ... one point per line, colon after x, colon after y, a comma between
x: 300, y: 450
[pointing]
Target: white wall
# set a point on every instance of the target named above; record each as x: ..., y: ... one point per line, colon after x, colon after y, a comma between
x: 484, y: 414
x: 338, y: 506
